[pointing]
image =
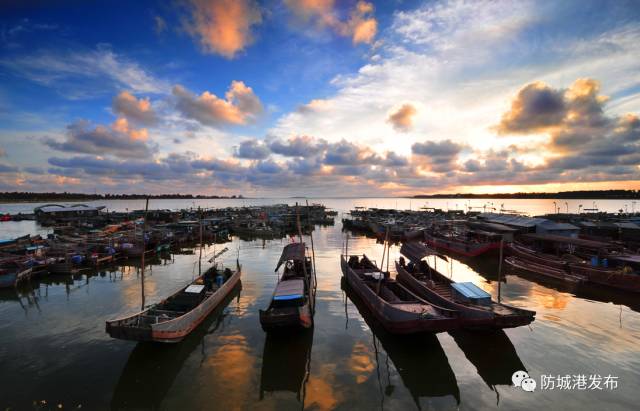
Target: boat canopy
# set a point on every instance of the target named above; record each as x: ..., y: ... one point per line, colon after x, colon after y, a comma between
x: 289, y: 290
x: 417, y: 251
x: 293, y: 251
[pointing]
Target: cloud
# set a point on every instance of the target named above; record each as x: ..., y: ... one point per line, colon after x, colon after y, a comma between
x: 8, y: 168
x: 402, y: 119
x: 439, y: 155
x: 118, y: 140
x: 138, y: 110
x: 239, y: 106
x: 252, y: 149
x: 160, y: 25
x: 298, y: 146
x: 345, y: 153
x: 360, y: 26
x: 536, y: 107
x: 64, y: 70
x: 3, y: 153
x: 223, y: 26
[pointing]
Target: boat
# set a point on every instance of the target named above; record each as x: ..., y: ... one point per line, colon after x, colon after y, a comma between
x: 12, y: 273
x: 470, y: 244
x: 398, y: 309
x: 519, y: 264
x: 173, y: 318
x: 292, y: 302
x: 477, y: 309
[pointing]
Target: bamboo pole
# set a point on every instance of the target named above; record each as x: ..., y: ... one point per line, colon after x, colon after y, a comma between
x: 313, y: 251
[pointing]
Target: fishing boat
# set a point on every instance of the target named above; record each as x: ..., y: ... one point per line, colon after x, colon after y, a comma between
x: 293, y: 299
x: 477, y: 309
x: 12, y: 273
x: 398, y: 309
x: 172, y: 319
x: 471, y: 243
x: 531, y: 267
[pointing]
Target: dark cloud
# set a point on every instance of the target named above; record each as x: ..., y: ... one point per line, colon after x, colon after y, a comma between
x: 7, y: 168
x: 349, y: 154
x: 252, y: 149
x: 299, y: 146
x: 537, y: 106
x: 439, y: 155
x: 102, y: 140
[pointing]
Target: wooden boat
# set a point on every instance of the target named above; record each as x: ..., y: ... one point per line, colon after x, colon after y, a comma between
x: 610, y: 277
x: 398, y: 309
x: 467, y: 246
x: 607, y: 276
x: 12, y: 274
x: 436, y: 288
x: 293, y: 300
x: 172, y: 319
x: 543, y: 270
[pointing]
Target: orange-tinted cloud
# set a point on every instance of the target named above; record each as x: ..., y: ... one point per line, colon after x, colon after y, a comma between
x: 224, y: 26
x: 139, y: 110
x: 402, y: 119
x: 121, y: 125
x: 361, y: 26
x: 239, y: 106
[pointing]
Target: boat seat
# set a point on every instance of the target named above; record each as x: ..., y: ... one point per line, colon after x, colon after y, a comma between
x: 289, y: 289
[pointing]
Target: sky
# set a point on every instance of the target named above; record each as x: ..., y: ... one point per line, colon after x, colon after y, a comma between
x: 319, y: 97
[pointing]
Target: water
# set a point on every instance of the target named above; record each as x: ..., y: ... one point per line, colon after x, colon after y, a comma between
x: 54, y: 351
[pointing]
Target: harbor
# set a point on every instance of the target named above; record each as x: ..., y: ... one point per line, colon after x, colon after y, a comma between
x: 56, y: 353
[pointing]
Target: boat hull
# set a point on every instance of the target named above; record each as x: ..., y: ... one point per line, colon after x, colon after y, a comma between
x: 275, y: 320
x: 470, y: 317
x: 460, y: 248
x: 175, y: 330
x: 394, y: 320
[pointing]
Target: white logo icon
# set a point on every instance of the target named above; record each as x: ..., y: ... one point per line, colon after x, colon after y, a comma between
x: 529, y: 384
x: 518, y: 377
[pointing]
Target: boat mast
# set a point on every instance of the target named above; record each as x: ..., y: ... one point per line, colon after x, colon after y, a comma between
x: 144, y: 247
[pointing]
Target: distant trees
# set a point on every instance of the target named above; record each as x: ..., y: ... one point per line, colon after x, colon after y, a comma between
x: 66, y: 196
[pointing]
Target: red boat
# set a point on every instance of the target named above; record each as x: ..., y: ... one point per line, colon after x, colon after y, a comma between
x: 473, y: 243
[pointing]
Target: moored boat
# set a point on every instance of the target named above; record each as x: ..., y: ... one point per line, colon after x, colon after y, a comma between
x: 477, y: 309
x: 172, y: 319
x: 519, y: 264
x: 398, y: 309
x: 293, y: 300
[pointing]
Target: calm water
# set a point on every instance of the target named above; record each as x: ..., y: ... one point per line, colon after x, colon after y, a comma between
x: 53, y: 348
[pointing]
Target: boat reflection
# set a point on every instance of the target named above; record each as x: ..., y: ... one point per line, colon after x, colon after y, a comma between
x: 493, y: 355
x: 151, y: 368
x: 286, y: 361
x: 419, y: 359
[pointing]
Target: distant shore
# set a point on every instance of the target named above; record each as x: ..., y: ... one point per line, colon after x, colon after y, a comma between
x: 562, y: 195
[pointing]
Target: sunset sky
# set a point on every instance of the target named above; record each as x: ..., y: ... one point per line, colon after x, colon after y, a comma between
x: 319, y: 97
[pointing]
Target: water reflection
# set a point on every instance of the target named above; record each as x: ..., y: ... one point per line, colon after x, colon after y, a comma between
x: 286, y: 363
x: 419, y: 359
x: 493, y: 355
x: 151, y: 369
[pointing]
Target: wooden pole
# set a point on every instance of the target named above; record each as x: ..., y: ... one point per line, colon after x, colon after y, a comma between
x: 313, y: 251
x: 304, y: 261
x: 200, y: 258
x: 144, y: 248
x: 500, y: 269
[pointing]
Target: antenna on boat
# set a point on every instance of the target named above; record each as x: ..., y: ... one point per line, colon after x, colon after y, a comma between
x: 144, y: 248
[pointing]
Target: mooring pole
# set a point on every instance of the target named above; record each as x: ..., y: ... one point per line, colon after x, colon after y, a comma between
x: 144, y: 247
x: 500, y: 268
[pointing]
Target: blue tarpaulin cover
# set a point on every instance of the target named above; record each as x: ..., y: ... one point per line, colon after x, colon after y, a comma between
x: 470, y: 290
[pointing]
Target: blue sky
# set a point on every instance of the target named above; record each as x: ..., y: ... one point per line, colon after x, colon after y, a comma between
x: 317, y: 97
